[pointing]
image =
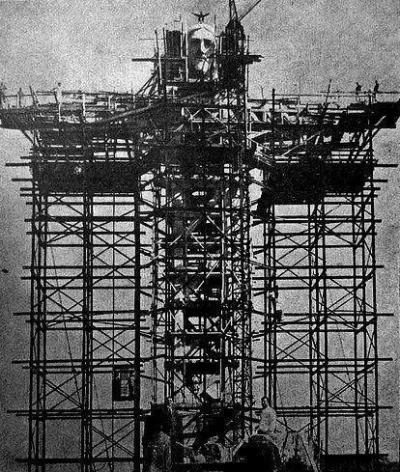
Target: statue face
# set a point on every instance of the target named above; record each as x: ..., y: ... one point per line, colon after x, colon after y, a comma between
x: 201, y: 48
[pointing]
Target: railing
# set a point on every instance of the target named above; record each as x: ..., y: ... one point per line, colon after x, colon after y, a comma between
x: 106, y: 100
x: 114, y: 100
x: 341, y: 98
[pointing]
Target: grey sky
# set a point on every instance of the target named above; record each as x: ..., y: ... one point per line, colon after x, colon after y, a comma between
x: 88, y: 44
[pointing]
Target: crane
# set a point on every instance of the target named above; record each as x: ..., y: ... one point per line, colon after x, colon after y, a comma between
x: 249, y: 10
x: 235, y: 20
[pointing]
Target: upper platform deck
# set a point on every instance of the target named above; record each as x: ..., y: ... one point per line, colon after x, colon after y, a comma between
x: 317, y: 139
x: 282, y: 118
x: 42, y: 110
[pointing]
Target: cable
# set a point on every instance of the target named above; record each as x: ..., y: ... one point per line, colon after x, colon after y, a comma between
x: 249, y: 10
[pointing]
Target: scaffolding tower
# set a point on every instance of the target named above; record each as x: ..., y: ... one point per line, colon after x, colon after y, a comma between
x: 195, y: 248
x: 318, y: 280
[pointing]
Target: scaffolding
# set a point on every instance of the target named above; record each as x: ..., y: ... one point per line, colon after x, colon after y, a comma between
x: 195, y: 247
x: 317, y: 216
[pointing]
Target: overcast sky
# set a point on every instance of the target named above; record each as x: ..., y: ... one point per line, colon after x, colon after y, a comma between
x: 88, y: 45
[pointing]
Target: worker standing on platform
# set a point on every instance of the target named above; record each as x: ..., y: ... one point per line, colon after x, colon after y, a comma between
x: 358, y: 90
x: 267, y: 423
x: 3, y: 89
x: 20, y: 95
x: 58, y: 96
x: 376, y: 90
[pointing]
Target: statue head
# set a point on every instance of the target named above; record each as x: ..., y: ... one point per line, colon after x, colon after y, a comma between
x: 201, y: 39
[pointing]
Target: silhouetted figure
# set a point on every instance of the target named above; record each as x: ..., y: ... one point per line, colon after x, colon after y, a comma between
x: 58, y: 96
x: 267, y: 424
x: 358, y: 90
x: 20, y: 96
x: 376, y: 90
x: 58, y: 93
x: 3, y: 89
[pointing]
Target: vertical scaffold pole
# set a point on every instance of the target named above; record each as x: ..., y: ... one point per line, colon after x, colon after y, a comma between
x: 137, y: 315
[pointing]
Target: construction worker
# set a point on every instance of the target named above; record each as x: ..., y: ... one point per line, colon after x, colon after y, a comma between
x: 58, y: 93
x: 20, y: 96
x: 358, y: 90
x: 58, y: 96
x: 267, y: 423
x: 3, y: 89
x: 376, y: 90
